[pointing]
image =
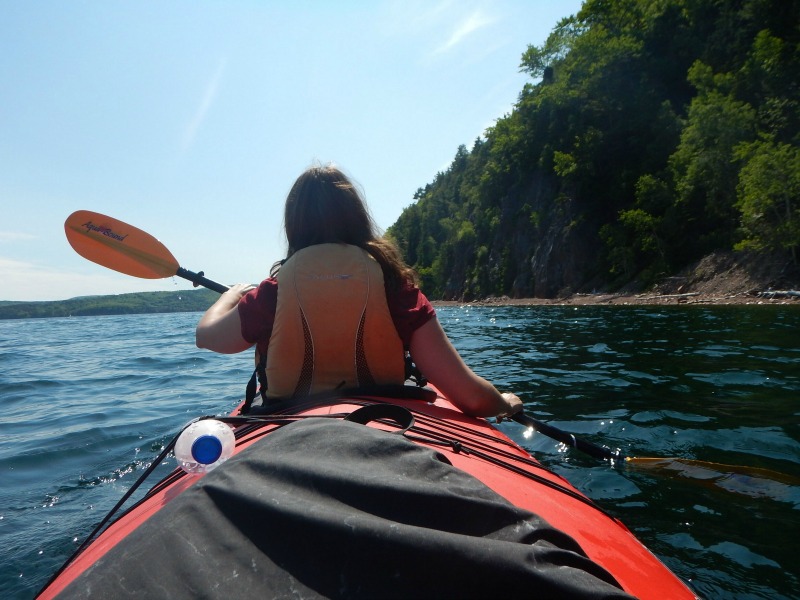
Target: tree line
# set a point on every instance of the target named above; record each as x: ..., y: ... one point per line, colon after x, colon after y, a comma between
x: 651, y: 133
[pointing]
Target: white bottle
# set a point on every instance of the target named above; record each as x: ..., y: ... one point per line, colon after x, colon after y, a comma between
x: 204, y: 445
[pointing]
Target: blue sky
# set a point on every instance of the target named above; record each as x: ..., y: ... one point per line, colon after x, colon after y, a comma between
x: 191, y: 120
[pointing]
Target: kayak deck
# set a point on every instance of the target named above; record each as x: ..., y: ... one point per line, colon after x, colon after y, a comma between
x: 470, y: 445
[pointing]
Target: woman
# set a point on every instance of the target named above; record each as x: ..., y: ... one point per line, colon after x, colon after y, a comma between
x: 347, y: 308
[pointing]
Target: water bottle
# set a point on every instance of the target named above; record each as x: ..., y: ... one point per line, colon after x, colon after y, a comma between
x: 204, y: 445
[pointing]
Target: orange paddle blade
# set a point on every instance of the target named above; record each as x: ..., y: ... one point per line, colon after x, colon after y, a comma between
x: 119, y: 246
x: 755, y: 482
x: 705, y: 469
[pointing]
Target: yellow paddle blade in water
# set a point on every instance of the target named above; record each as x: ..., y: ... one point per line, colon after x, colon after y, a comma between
x: 755, y: 482
x: 119, y: 246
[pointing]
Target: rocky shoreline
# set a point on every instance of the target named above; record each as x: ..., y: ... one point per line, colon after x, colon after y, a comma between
x: 790, y: 297
x: 719, y: 278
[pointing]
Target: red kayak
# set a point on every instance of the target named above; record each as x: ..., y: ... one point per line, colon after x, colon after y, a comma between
x: 364, y: 496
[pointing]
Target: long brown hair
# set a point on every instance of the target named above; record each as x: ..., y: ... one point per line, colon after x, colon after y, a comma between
x: 325, y: 207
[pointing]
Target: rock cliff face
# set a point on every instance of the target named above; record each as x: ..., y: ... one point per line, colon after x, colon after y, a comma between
x: 535, y: 242
x: 565, y: 253
x: 553, y: 248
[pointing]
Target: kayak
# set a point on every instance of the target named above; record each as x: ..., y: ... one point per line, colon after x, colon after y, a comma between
x: 363, y: 494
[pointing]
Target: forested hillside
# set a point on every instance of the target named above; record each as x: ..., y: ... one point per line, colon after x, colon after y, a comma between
x: 652, y: 133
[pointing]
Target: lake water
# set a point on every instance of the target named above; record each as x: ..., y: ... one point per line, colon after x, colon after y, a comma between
x: 89, y: 402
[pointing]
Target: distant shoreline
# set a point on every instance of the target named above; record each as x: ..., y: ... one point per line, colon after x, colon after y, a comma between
x: 120, y: 304
x: 200, y: 300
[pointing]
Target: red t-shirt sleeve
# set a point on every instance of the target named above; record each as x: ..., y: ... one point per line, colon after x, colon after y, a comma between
x: 257, y: 312
x: 410, y: 310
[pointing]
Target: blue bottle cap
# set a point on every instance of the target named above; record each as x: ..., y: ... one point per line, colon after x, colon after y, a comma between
x: 206, y: 449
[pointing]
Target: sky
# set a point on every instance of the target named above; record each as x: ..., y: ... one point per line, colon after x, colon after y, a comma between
x: 191, y: 120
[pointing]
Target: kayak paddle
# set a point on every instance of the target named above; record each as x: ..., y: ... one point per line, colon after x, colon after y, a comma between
x: 740, y: 479
x: 127, y: 249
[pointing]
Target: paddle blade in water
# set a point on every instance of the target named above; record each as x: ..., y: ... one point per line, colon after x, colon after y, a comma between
x: 755, y: 482
x: 119, y: 246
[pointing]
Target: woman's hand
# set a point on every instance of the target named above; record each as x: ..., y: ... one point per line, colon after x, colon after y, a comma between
x: 237, y: 291
x: 513, y: 404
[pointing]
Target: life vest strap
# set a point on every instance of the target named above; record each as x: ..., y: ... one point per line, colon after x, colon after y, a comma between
x: 375, y: 412
x: 257, y: 384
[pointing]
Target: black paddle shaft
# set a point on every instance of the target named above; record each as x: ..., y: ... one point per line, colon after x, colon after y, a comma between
x: 569, y: 439
x: 198, y: 279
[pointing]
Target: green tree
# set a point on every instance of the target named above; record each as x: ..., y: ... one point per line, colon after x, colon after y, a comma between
x: 769, y: 196
x: 705, y: 168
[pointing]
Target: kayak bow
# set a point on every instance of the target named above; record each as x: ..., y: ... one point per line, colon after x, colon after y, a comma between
x: 314, y: 501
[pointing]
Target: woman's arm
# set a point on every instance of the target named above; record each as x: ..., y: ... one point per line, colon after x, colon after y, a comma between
x: 443, y: 366
x: 220, y: 328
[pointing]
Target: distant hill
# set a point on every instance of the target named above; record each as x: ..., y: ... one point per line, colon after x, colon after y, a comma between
x: 121, y: 304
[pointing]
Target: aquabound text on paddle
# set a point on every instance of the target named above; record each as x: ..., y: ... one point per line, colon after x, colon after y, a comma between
x: 107, y: 231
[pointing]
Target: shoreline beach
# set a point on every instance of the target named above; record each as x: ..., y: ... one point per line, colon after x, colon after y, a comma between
x: 787, y: 297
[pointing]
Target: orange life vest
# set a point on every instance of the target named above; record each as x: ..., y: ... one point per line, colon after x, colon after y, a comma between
x: 332, y: 324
